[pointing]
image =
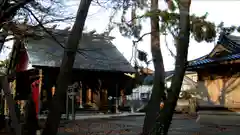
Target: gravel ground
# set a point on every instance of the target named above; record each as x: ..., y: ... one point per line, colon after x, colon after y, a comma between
x: 132, y: 125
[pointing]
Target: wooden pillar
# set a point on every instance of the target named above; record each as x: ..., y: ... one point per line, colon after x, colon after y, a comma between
x: 44, y: 97
x: 104, y: 100
x: 22, y: 105
x: 53, y: 91
x: 116, y: 99
x: 80, y: 96
x: 39, y: 89
x: 88, y: 96
x: 101, y: 98
x: 123, y: 97
x: 92, y: 96
x: 10, y: 102
x: 13, y: 88
x: 6, y: 111
x: 40, y: 82
x: 13, y: 93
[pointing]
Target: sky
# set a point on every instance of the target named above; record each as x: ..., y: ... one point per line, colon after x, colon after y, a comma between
x: 218, y: 10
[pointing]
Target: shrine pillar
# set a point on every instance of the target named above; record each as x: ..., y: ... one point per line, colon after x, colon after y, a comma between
x: 104, y: 100
x: 53, y: 91
x: 39, y: 89
x: 80, y: 98
x: 123, y: 98
x: 88, y: 96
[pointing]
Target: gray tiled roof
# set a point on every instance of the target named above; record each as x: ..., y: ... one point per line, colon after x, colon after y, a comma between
x: 97, y: 53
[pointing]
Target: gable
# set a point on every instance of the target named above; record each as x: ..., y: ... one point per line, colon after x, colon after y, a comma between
x: 218, y: 50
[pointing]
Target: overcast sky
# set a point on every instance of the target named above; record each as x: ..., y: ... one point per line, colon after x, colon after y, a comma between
x: 219, y: 10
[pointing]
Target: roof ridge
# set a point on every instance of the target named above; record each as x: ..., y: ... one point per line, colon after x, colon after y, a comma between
x: 209, y: 60
x: 230, y: 42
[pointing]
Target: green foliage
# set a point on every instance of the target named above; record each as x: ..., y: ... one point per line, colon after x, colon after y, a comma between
x: 4, y: 63
x: 227, y: 30
x: 201, y: 28
x: 133, y: 27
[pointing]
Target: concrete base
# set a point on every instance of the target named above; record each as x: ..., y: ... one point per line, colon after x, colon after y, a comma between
x: 81, y: 106
x: 219, y: 118
x: 97, y: 116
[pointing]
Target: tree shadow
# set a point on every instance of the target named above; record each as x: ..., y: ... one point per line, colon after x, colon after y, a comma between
x: 223, y: 86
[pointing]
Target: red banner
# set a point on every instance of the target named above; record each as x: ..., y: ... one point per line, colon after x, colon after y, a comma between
x: 22, y: 63
x: 35, y: 94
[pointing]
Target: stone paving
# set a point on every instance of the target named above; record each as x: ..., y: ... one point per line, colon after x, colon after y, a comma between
x: 182, y: 125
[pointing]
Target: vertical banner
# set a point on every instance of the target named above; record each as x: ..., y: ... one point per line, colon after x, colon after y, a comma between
x: 22, y: 63
x: 35, y: 94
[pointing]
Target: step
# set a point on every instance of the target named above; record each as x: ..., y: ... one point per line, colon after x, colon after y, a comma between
x: 218, y: 113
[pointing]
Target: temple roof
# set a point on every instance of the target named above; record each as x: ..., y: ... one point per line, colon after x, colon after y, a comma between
x: 95, y: 53
x: 210, y: 60
x: 227, y: 49
x: 230, y: 42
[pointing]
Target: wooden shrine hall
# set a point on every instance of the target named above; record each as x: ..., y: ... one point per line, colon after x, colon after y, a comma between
x: 98, y: 72
x: 218, y: 75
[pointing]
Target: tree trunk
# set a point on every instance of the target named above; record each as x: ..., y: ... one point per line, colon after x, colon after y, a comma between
x: 153, y: 106
x: 11, y: 103
x: 31, y: 120
x: 57, y: 105
x: 180, y: 66
x: 7, y: 91
x: 3, y: 36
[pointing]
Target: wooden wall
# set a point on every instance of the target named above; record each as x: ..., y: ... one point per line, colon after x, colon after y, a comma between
x: 220, y: 90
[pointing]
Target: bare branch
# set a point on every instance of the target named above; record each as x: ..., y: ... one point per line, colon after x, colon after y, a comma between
x: 171, y: 52
x: 12, y: 9
x: 101, y: 4
x: 57, y: 20
x: 41, y: 25
x: 171, y: 32
x: 140, y: 38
